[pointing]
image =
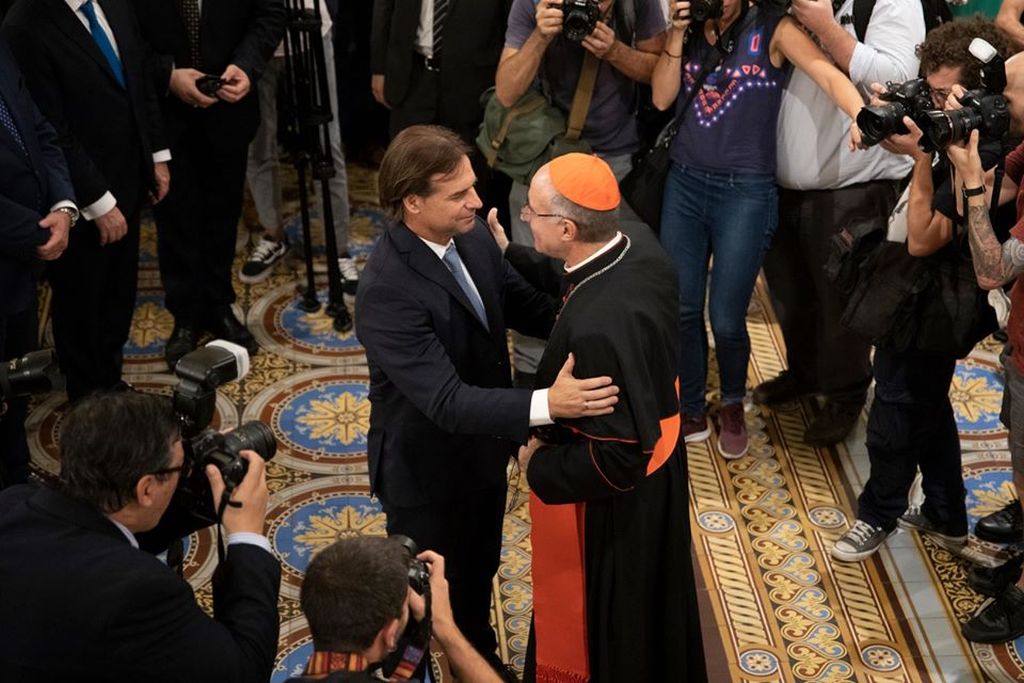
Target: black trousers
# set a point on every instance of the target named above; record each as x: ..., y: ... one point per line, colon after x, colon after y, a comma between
x: 197, y: 223
x: 93, y: 301
x: 18, y: 336
x: 818, y: 350
x: 467, y: 532
x: 910, y: 426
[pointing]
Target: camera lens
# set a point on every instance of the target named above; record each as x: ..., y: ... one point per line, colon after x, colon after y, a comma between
x: 252, y: 436
x: 878, y: 123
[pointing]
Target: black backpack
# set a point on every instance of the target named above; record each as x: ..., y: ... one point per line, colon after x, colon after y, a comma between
x: 936, y: 13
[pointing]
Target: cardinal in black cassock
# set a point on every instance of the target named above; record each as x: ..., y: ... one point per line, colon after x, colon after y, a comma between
x: 614, y: 596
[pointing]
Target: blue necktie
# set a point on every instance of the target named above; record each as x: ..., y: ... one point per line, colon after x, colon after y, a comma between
x: 103, y: 42
x: 454, y: 263
x: 7, y: 121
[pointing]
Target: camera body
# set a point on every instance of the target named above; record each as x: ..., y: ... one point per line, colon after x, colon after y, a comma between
x: 702, y: 10
x: 579, y: 17
x: 34, y: 373
x: 199, y: 374
x: 981, y: 110
x: 912, y: 98
x: 209, y: 85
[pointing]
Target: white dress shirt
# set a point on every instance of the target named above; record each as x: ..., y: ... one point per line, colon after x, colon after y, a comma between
x: 241, y: 537
x: 539, y: 413
x: 107, y: 202
x: 813, y: 132
x: 425, y: 30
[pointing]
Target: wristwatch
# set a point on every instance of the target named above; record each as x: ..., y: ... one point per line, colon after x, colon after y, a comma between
x: 71, y: 212
x: 974, y: 191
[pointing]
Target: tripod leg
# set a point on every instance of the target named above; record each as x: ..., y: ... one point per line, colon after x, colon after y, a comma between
x: 309, y: 301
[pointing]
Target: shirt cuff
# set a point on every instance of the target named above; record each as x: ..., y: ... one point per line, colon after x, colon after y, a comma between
x: 161, y: 156
x: 61, y: 204
x: 539, y: 413
x: 100, y: 207
x: 249, y: 538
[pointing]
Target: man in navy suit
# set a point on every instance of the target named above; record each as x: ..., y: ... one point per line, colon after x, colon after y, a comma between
x: 435, y: 299
x: 37, y: 211
x: 80, y: 602
x: 91, y: 54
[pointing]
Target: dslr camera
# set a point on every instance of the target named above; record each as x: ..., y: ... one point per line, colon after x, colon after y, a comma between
x: 984, y: 109
x: 913, y: 99
x: 200, y: 373
x: 415, y: 641
x: 579, y: 17
x: 34, y: 373
x: 702, y: 10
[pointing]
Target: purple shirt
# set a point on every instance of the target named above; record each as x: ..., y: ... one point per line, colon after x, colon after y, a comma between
x: 730, y: 127
x: 611, y: 126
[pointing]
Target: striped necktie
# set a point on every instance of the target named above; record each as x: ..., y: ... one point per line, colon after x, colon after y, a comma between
x: 440, y: 16
x: 103, y: 42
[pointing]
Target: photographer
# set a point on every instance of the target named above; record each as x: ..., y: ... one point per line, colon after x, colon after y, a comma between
x: 720, y: 196
x: 623, y: 50
x: 80, y: 602
x: 358, y: 601
x: 911, y: 423
x: 997, y: 263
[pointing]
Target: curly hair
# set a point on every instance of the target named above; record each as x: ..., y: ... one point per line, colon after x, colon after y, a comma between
x: 947, y: 46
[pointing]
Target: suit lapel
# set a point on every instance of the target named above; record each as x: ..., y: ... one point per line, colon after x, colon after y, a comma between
x: 426, y: 263
x: 475, y: 258
x: 67, y: 21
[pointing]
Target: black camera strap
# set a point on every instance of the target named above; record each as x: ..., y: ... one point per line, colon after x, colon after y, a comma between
x: 222, y: 506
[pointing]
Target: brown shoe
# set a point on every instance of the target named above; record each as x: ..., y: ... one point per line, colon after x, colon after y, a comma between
x: 785, y: 388
x: 833, y: 424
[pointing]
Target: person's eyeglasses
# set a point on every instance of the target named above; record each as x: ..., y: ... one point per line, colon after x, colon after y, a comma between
x: 527, y: 214
x: 185, y: 469
x: 940, y: 96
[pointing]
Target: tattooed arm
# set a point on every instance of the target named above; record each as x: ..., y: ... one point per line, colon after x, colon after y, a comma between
x: 995, y: 264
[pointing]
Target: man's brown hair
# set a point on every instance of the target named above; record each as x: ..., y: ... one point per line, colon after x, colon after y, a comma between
x: 948, y: 45
x: 416, y: 155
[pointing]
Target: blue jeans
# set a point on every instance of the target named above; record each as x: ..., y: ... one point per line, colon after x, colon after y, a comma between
x: 732, y: 218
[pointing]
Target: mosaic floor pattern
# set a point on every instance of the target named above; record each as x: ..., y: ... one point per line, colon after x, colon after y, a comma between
x: 775, y: 606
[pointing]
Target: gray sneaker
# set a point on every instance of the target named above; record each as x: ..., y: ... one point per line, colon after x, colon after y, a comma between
x: 915, y: 520
x: 859, y: 542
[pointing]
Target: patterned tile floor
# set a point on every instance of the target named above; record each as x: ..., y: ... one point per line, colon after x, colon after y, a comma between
x: 775, y: 606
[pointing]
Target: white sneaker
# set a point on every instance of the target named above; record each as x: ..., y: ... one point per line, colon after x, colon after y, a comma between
x: 262, y: 259
x: 349, y: 275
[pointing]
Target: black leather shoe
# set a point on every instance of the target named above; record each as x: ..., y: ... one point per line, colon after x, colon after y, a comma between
x: 832, y: 424
x: 224, y: 325
x: 992, y: 581
x: 1000, y: 622
x: 1005, y: 525
x: 785, y: 388
x: 183, y: 340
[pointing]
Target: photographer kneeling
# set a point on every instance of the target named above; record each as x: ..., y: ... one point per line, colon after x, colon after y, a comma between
x: 358, y: 600
x: 80, y: 602
x: 917, y: 338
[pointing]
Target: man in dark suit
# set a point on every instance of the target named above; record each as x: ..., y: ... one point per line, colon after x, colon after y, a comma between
x: 80, y: 602
x: 37, y: 211
x: 431, y: 62
x: 209, y: 139
x: 91, y: 54
x: 435, y: 298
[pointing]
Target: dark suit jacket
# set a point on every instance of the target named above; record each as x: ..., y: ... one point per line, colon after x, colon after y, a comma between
x: 443, y: 419
x: 108, y: 133
x: 240, y: 32
x: 473, y: 38
x: 29, y: 186
x: 79, y: 603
